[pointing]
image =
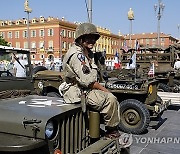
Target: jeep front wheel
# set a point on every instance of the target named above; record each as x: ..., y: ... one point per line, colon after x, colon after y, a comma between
x: 135, y: 117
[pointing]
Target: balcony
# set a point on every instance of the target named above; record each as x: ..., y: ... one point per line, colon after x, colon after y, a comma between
x: 50, y: 49
x: 33, y: 50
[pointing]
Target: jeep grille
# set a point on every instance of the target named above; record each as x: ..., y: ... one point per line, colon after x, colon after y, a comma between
x: 73, y: 134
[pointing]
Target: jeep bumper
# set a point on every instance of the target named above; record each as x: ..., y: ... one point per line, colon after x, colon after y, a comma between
x: 158, y: 108
x: 104, y: 146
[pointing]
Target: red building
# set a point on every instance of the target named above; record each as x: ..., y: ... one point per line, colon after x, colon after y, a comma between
x: 50, y: 38
x: 150, y: 40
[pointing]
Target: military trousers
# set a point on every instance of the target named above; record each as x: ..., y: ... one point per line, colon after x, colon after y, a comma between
x: 107, y: 104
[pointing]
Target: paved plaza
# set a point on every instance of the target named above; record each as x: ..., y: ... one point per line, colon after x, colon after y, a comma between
x: 163, y: 135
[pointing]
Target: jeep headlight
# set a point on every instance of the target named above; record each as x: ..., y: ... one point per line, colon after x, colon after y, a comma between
x: 50, y: 129
x: 40, y: 85
x: 150, y: 90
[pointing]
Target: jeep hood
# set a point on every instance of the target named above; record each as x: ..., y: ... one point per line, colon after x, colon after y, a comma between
x: 15, y: 112
x: 49, y: 73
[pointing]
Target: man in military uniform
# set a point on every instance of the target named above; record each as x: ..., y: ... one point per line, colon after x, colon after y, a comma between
x: 81, y: 77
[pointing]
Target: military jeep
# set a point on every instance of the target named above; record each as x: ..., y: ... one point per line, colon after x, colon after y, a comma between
x: 136, y: 94
x: 30, y: 123
x: 138, y: 99
x: 46, y: 82
x: 163, y: 60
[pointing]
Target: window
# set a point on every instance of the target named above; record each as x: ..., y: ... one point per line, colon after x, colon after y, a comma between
x: 41, y: 32
x: 69, y: 34
x: 25, y: 45
x: 41, y: 56
x: 25, y: 34
x: 64, y: 33
x: 42, y: 20
x: 153, y: 40
x: 9, y: 34
x: 33, y: 56
x: 41, y: 44
x: 34, y: 21
x: 17, y: 22
x: 33, y: 33
x: 2, y: 23
x: 73, y: 34
x: 50, y: 32
x: 33, y: 45
x: 162, y: 39
x: 69, y: 45
x: 17, y: 44
x: 64, y: 45
x: 50, y: 44
x: 25, y: 21
x: 2, y: 34
x: 147, y: 41
x: 16, y: 34
x: 141, y: 41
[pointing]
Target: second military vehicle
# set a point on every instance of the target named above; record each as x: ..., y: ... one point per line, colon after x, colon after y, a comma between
x: 162, y: 60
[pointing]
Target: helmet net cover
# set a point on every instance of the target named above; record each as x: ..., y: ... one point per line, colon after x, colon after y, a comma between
x: 85, y: 29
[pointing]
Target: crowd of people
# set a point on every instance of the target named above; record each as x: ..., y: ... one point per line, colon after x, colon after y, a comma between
x: 17, y: 66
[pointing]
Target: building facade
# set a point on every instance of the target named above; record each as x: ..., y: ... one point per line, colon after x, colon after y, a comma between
x: 149, y: 40
x: 50, y: 38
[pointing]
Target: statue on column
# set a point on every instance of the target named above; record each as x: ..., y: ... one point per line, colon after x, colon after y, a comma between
x: 26, y: 7
x: 130, y: 14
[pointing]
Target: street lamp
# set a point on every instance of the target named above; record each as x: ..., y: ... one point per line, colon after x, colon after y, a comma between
x: 60, y: 51
x: 178, y: 26
x: 90, y: 11
x: 28, y: 10
x: 159, y: 9
x: 130, y: 18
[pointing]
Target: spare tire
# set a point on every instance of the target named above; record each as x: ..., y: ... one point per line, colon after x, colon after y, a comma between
x: 38, y: 68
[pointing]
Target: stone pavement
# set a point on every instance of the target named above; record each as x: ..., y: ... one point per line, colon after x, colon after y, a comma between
x: 162, y: 136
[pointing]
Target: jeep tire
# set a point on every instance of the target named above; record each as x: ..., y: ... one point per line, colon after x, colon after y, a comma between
x: 134, y: 116
x: 163, y: 87
x: 176, y: 87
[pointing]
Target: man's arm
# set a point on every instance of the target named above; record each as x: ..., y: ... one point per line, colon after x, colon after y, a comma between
x: 96, y: 85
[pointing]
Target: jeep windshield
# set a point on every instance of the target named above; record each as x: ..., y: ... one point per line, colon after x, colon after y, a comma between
x: 15, y: 69
x: 12, y: 59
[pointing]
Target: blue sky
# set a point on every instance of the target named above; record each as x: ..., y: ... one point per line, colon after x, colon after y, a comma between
x: 110, y: 14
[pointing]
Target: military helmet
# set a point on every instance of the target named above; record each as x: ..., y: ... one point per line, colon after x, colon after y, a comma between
x: 85, y: 29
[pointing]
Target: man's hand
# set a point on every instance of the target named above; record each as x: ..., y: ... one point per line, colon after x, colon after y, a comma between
x: 96, y: 85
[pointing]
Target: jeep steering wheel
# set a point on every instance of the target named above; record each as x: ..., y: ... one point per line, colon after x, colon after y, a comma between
x: 5, y: 73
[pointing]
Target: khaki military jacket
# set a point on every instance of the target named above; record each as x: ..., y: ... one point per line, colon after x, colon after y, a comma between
x: 79, y: 71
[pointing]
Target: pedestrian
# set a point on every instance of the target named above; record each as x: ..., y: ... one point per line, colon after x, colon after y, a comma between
x: 177, y: 64
x: 52, y: 66
x: 60, y: 65
x: 81, y: 77
x: 19, y: 66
